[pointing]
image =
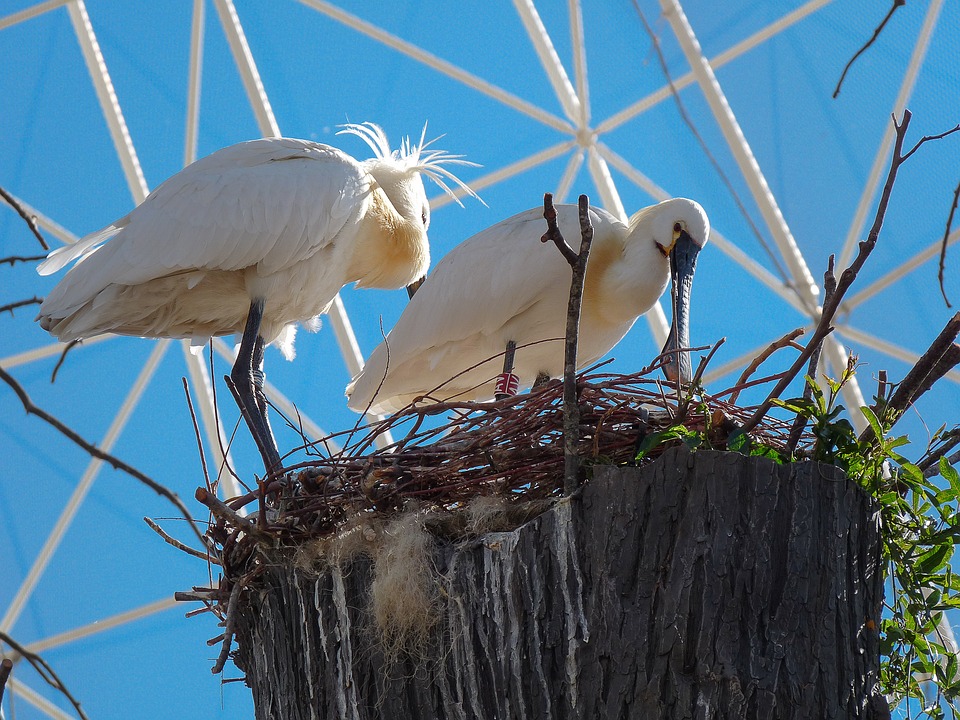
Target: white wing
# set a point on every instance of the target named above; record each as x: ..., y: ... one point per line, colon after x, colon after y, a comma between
x: 486, y: 289
x: 269, y: 202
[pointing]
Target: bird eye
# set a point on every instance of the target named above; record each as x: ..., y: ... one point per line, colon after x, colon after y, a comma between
x: 677, y: 227
x: 425, y: 217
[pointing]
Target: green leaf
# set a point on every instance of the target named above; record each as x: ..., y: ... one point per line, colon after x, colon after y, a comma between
x: 874, y: 422
x: 934, y: 559
x: 950, y: 474
x: 738, y: 441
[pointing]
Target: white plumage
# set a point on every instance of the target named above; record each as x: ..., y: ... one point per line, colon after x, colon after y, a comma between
x: 504, y: 284
x: 277, y: 223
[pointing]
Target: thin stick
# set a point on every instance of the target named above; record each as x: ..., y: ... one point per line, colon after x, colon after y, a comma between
x: 876, y: 33
x: 231, y: 619
x: 179, y: 545
x: 63, y: 356
x: 578, y: 265
x: 10, y: 307
x: 21, y: 258
x: 45, y: 671
x: 222, y: 511
x: 943, y: 246
x: 97, y: 452
x: 196, y: 432
x: 800, y: 421
x: 786, y: 341
x: 28, y: 219
x: 850, y: 274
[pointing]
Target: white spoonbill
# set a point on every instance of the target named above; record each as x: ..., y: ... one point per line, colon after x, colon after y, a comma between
x: 254, y: 238
x: 504, y: 285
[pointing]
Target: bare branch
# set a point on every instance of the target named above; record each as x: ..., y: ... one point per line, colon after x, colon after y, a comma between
x: 943, y: 247
x: 800, y: 422
x: 21, y: 258
x: 224, y: 512
x: 848, y: 275
x: 10, y: 307
x: 45, y: 671
x: 63, y: 356
x: 553, y: 231
x: 786, y: 341
x: 578, y: 265
x: 179, y: 545
x: 876, y: 34
x: 28, y: 219
x: 230, y: 624
x: 96, y: 452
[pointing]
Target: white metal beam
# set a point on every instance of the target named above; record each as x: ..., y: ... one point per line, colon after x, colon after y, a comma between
x: 880, y: 161
x: 440, y: 65
x: 12, y: 361
x: 898, y: 273
x: 732, y: 53
x: 103, y: 625
x: 549, y: 59
x: 194, y: 76
x: 108, y: 99
x: 30, y: 13
x: 83, y: 487
x: 579, y: 62
x: 37, y: 700
x: 743, y: 154
x: 492, y: 178
x: 887, y: 348
x: 243, y: 58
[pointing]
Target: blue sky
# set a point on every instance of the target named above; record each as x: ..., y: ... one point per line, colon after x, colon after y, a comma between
x: 815, y: 153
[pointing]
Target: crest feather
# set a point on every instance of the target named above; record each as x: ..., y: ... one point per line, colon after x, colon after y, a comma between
x: 414, y: 157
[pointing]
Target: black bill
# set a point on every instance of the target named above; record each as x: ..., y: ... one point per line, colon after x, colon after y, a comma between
x: 683, y: 261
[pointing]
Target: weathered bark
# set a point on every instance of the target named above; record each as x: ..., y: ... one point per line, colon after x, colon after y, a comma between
x: 701, y: 586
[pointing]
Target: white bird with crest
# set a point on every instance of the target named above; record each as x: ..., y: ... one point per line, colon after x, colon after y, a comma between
x: 252, y: 239
x: 503, y: 285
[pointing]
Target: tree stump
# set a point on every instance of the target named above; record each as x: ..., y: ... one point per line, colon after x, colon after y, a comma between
x: 705, y: 585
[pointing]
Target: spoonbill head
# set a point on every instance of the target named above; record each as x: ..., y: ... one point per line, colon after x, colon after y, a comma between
x: 252, y: 239
x: 504, y: 285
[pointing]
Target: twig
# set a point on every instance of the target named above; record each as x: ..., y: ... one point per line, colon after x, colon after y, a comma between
x: 578, y: 265
x: 196, y: 432
x: 800, y: 421
x: 224, y: 512
x: 934, y: 469
x: 943, y: 247
x: 29, y: 219
x: 876, y: 34
x: 230, y: 625
x: 553, y: 231
x: 850, y: 274
x: 97, y: 452
x: 63, y: 356
x: 45, y: 671
x: 949, y: 442
x: 10, y: 307
x: 179, y: 545
x: 21, y: 258
x: 786, y: 341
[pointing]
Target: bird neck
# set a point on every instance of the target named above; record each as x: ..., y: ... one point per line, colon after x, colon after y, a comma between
x: 391, y: 251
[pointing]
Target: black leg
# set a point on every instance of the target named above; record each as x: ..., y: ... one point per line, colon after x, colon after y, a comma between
x: 507, y: 382
x: 247, y: 376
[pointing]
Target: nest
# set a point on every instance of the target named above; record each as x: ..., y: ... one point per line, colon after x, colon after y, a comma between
x: 511, y: 449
